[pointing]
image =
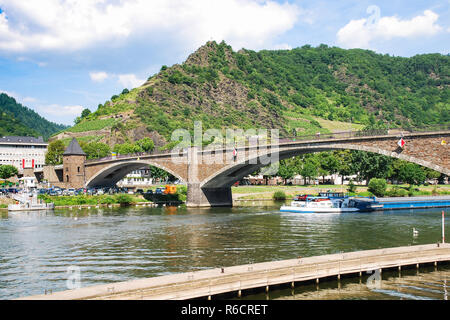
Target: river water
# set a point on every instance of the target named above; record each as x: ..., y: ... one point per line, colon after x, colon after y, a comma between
x: 118, y: 244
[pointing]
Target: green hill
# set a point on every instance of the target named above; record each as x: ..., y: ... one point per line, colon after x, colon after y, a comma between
x: 17, y: 120
x: 284, y: 89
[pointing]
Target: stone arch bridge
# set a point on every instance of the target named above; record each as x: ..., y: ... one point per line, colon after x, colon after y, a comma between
x: 209, y: 174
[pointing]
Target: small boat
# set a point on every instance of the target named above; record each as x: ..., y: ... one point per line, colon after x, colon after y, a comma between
x: 320, y: 205
x: 29, y: 202
x: 338, y: 204
x: 31, y: 206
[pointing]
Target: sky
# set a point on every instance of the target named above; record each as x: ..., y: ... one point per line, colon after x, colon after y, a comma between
x: 58, y: 57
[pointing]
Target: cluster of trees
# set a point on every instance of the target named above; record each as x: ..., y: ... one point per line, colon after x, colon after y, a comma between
x: 364, y: 165
x: 7, y: 171
x: 17, y: 120
x: 143, y: 145
x: 95, y: 150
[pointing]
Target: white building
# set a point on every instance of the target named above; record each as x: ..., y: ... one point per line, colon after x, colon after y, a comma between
x: 22, y: 152
x: 140, y: 177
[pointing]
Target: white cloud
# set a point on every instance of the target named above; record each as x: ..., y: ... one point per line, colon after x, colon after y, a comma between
x: 29, y: 100
x: 22, y: 100
x: 360, y: 33
x: 282, y: 46
x: 98, y: 76
x: 62, y: 111
x: 35, y: 25
x: 130, y: 80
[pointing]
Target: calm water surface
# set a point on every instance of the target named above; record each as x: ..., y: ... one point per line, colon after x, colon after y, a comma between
x: 117, y: 244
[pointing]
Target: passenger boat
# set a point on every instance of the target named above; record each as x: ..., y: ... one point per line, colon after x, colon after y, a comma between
x: 310, y: 204
x: 29, y: 202
x: 30, y: 206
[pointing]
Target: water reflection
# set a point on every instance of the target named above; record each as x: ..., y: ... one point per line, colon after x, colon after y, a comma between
x: 428, y: 284
x: 117, y: 244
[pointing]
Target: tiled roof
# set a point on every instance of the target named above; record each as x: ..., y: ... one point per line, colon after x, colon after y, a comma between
x: 74, y: 149
x: 17, y: 139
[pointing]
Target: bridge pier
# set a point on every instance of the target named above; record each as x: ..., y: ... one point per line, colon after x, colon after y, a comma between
x: 208, y: 197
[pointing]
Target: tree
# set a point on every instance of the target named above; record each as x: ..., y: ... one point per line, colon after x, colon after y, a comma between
x: 329, y: 164
x: 55, y: 152
x: 412, y: 173
x: 85, y: 113
x: 146, y: 144
x: 345, y: 161
x: 377, y: 187
x: 7, y: 171
x: 432, y: 174
x: 126, y: 148
x: 77, y: 120
x: 310, y: 169
x: 125, y: 91
x: 95, y: 150
x: 286, y: 169
x: 371, y: 165
x: 158, y: 173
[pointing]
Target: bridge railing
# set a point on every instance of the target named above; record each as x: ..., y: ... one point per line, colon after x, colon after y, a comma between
x: 317, y: 136
x: 130, y: 155
x: 368, y: 133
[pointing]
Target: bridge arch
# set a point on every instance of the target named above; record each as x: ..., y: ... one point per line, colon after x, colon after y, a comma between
x: 233, y: 172
x: 110, y: 175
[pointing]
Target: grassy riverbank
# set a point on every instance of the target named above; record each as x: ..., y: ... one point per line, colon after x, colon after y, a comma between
x: 267, y: 192
x: 92, y: 200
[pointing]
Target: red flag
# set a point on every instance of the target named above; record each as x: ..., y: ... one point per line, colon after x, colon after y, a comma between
x: 401, y: 143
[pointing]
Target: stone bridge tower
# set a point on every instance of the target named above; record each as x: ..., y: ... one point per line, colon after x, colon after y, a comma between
x: 73, y: 165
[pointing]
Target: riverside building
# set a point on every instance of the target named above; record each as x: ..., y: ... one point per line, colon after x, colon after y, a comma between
x: 23, y: 152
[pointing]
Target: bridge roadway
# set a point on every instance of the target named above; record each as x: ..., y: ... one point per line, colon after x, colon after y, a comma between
x: 207, y: 283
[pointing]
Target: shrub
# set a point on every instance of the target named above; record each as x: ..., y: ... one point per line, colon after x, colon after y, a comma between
x: 279, y: 195
x: 396, y: 192
x: 351, y: 187
x: 124, y: 199
x: 107, y: 200
x: 377, y: 187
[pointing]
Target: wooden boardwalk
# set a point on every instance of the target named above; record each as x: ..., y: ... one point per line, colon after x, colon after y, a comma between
x: 207, y: 283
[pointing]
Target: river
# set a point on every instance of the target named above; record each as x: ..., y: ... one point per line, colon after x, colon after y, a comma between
x: 118, y: 244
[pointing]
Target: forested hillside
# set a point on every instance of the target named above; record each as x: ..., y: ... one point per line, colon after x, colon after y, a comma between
x: 286, y: 89
x: 17, y: 120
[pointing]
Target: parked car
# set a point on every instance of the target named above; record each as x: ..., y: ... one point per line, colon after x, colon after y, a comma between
x: 13, y: 190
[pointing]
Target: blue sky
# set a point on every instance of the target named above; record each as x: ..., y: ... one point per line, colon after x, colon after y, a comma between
x: 58, y: 57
